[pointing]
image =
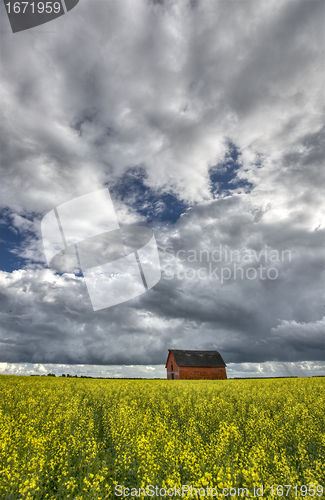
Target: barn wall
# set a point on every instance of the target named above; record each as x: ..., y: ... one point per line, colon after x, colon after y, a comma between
x: 196, y: 373
x: 172, y: 368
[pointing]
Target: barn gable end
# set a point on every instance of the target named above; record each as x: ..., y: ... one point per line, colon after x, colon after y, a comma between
x: 172, y: 367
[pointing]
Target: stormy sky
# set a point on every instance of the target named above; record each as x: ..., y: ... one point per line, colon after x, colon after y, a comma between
x: 205, y: 121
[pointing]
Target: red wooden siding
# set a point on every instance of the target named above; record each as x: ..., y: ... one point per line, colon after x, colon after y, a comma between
x: 197, y: 372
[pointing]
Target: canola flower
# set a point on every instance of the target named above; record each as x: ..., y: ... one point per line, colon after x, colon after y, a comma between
x: 77, y: 439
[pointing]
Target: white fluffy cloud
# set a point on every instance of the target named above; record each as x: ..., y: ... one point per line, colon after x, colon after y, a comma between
x: 163, y: 85
x: 234, y: 370
x: 83, y: 370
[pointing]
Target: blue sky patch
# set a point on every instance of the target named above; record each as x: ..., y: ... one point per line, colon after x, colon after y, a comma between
x: 131, y: 189
x: 10, y: 240
x: 223, y: 176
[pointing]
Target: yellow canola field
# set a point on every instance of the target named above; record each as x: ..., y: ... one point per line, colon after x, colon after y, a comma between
x: 68, y: 438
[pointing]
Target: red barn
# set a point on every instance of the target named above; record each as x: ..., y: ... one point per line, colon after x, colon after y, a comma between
x: 195, y: 365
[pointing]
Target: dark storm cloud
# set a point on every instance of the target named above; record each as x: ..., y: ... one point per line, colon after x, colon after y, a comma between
x: 51, y: 318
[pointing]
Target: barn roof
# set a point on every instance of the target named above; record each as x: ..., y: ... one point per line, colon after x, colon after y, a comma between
x: 210, y: 359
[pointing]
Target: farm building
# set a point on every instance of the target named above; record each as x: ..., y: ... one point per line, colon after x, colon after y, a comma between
x: 195, y: 365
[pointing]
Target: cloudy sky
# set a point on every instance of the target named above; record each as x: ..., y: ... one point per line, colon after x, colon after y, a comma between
x: 204, y: 120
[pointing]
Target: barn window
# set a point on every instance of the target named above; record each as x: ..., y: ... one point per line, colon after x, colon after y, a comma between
x: 173, y: 376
